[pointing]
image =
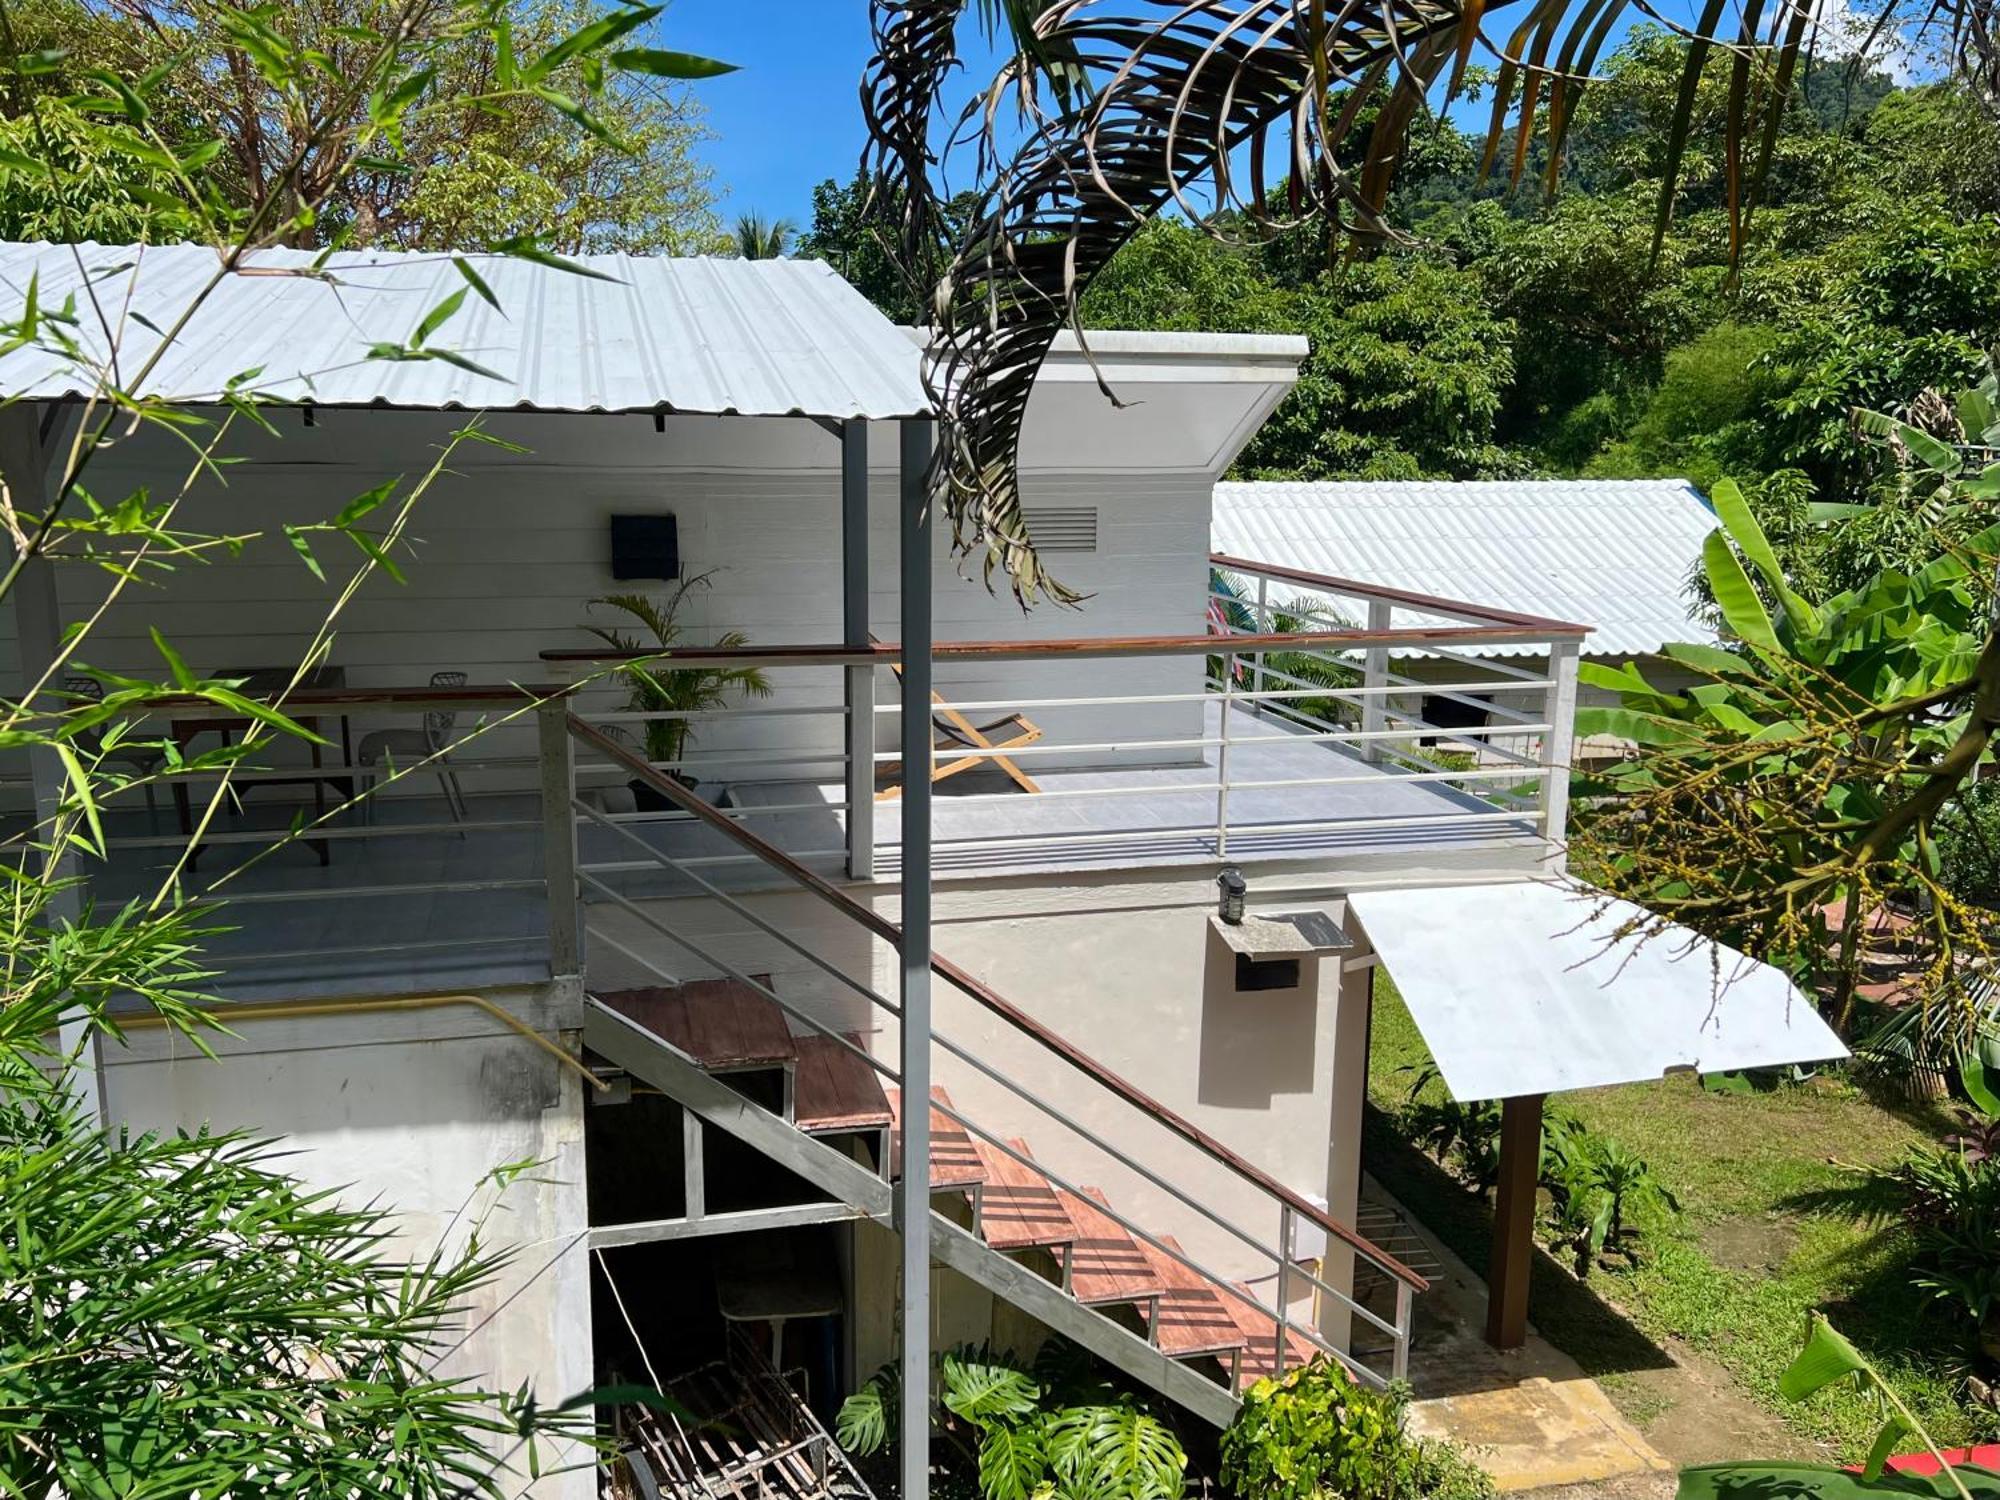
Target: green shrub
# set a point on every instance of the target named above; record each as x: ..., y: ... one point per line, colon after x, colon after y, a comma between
x: 1317, y: 1435
x: 1019, y: 1435
x: 1951, y: 1202
x: 1465, y: 1137
x: 1595, y: 1186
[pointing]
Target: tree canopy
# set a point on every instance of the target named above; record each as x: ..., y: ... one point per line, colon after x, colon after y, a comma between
x: 471, y: 165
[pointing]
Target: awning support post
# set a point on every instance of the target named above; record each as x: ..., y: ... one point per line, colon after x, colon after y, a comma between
x: 860, y: 684
x: 1514, y: 1221
x: 913, y: 1193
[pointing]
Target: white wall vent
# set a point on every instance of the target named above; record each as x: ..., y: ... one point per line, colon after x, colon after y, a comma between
x: 1062, y: 528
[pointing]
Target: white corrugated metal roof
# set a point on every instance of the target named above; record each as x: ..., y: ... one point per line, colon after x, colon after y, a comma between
x: 753, y: 338
x: 1613, y: 554
x: 1528, y: 988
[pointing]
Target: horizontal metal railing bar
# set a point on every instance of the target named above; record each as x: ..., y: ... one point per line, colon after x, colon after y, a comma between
x: 1428, y: 603
x: 887, y: 653
x: 1026, y: 1024
x: 1123, y: 700
x: 1212, y: 741
x: 213, y: 896
x: 439, y: 945
x: 300, y: 702
x: 742, y: 909
x: 745, y: 711
x: 732, y: 758
x: 1486, y: 664
x: 315, y: 833
x: 1019, y: 1090
x: 668, y: 815
x: 1511, y: 715
x: 1500, y: 773
x: 304, y: 771
x: 706, y: 861
x: 1087, y: 837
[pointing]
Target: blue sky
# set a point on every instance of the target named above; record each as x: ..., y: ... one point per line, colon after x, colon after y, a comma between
x: 792, y: 116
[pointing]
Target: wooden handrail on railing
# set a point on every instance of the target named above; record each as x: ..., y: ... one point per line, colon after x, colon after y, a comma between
x: 883, y: 928
x: 890, y: 653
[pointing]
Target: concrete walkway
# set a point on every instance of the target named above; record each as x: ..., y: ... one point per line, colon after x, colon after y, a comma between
x: 1531, y: 1418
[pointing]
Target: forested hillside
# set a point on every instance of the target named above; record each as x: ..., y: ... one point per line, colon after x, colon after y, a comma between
x: 1516, y: 333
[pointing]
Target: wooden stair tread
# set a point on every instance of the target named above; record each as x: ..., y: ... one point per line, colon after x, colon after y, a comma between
x: 835, y: 1090
x: 1108, y: 1264
x: 1020, y: 1208
x: 723, y: 1024
x: 1190, y: 1319
x: 955, y: 1162
x: 1260, y: 1332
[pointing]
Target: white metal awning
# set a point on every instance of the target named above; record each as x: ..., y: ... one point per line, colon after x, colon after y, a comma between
x: 1524, y: 988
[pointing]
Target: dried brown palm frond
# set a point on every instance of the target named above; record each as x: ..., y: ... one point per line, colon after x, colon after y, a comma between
x: 1109, y: 112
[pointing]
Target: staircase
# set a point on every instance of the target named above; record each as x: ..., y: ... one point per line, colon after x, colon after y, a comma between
x: 1062, y: 1253
x: 737, y: 1056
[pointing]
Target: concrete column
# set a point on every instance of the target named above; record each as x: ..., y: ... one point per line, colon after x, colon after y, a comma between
x: 1352, y: 994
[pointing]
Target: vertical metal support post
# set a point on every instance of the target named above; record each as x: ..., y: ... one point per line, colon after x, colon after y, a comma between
x: 1288, y: 1234
x: 30, y: 451
x: 1558, y: 749
x: 558, y: 771
x: 1375, y: 677
x: 913, y: 1196
x: 1399, y: 1360
x: 860, y: 681
x: 1263, y: 627
x: 1514, y: 1222
x: 1229, y: 663
x: 694, y: 1167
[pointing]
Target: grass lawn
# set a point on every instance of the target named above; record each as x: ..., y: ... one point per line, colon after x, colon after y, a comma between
x: 1766, y: 1236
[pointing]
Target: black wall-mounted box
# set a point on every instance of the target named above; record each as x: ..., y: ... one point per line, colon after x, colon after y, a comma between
x: 645, y: 547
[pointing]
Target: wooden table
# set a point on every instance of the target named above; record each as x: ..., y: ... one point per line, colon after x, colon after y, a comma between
x: 266, y: 683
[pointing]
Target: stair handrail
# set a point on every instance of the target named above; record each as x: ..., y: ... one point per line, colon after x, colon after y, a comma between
x: 982, y: 994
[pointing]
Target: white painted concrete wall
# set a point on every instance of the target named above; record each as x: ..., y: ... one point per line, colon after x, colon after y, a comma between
x: 413, y: 1111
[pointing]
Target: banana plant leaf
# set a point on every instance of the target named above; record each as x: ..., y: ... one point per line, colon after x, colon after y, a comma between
x: 1780, y: 1481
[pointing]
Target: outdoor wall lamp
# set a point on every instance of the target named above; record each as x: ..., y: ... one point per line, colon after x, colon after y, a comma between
x: 1231, y: 889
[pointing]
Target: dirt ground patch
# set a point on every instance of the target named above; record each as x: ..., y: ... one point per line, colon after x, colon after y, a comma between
x: 1751, y: 1243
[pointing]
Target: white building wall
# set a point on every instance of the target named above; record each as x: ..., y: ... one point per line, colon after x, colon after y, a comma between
x: 504, y: 553
x: 412, y: 1111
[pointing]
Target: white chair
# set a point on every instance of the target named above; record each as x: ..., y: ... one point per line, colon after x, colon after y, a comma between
x: 141, y: 758
x: 410, y: 746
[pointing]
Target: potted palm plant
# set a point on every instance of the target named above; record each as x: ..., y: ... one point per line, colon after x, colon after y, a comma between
x: 657, y: 686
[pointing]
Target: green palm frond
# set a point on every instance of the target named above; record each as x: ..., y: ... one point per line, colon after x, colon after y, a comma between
x: 1108, y: 113
x: 657, y: 686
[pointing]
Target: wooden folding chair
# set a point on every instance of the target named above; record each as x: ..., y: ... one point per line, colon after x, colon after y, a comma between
x: 951, y: 730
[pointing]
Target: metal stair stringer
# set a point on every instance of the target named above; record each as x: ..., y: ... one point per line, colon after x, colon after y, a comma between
x: 678, y: 1076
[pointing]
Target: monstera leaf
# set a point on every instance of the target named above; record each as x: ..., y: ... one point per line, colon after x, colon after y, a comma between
x: 1118, y: 1452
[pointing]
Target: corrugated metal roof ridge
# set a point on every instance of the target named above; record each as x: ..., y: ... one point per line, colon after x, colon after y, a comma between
x: 1556, y: 547
x: 837, y: 357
